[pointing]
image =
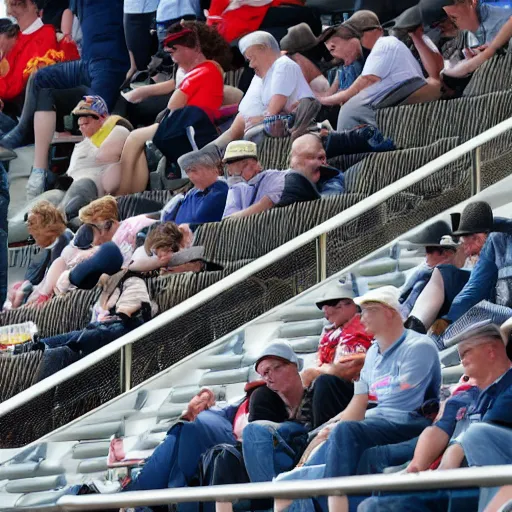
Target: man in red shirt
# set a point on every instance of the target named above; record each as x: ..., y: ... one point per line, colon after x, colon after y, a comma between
x: 341, y: 352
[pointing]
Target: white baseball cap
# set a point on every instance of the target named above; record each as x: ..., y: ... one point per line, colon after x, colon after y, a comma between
x: 387, y: 295
x: 335, y: 291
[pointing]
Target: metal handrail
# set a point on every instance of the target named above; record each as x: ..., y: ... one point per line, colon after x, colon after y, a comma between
x: 259, y: 264
x: 488, y: 476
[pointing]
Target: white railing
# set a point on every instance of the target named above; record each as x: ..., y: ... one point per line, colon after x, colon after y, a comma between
x: 318, y: 234
x: 489, y: 476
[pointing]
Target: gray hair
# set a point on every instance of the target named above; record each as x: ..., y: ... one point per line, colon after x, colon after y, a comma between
x: 259, y: 37
x: 206, y: 157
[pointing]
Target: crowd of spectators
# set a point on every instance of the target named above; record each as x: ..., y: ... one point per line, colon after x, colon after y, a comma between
x: 374, y: 398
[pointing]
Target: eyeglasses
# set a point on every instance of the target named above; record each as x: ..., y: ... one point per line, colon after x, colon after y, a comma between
x: 272, y: 369
x: 332, y: 303
x: 103, y: 227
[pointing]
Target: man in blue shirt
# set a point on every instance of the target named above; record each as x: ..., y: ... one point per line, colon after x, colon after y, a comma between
x: 476, y: 422
x: 207, y: 200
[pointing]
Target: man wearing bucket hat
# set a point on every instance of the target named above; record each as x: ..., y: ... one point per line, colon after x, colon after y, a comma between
x: 391, y: 75
x: 491, y: 277
x: 251, y: 190
x: 476, y: 422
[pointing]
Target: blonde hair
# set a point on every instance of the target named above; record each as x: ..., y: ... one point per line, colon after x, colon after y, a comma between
x: 45, y: 216
x: 104, y: 208
x: 167, y: 235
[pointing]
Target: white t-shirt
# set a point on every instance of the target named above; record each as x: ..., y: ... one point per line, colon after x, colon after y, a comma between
x: 284, y: 77
x: 393, y: 63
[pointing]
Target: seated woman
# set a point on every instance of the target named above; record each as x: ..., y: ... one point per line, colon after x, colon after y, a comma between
x: 143, y: 104
x: 47, y: 226
x: 94, y: 167
x: 276, y: 89
x: 194, y: 104
x: 123, y: 305
x: 102, y: 216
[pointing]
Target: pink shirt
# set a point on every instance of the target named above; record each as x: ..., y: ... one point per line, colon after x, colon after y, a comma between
x: 126, y: 235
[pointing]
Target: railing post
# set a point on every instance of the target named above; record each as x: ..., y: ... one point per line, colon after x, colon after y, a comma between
x: 476, y: 171
x: 321, y: 258
x: 125, y: 371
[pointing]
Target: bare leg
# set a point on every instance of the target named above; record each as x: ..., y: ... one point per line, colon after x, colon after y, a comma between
x: 430, y: 301
x: 280, y: 505
x: 429, y: 92
x: 135, y: 170
x: 338, y: 504
x: 44, y: 129
x: 50, y: 280
x: 223, y: 506
x: 503, y: 497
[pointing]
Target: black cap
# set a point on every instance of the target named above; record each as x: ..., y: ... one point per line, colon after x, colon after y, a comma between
x: 432, y: 11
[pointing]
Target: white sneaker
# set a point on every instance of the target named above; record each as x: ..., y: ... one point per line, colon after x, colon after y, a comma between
x: 35, y: 184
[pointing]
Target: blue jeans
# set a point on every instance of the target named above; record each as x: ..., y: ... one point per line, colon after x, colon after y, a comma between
x: 64, y: 349
x: 487, y: 445
x: 375, y: 460
x: 4, y: 205
x: 350, y: 439
x: 101, y: 77
x: 270, y: 449
x: 175, y: 462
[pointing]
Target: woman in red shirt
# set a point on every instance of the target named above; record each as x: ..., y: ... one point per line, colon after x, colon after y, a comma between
x: 200, y: 51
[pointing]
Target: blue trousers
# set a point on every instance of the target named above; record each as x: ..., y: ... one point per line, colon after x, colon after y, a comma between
x: 486, y: 444
x: 269, y: 450
x: 64, y: 349
x: 176, y: 461
x: 350, y: 439
x: 101, y: 78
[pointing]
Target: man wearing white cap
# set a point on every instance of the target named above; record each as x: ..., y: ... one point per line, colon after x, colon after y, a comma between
x: 341, y: 352
x: 401, y: 372
x: 251, y: 190
x: 476, y: 423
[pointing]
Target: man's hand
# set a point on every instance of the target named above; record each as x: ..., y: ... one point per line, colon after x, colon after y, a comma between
x: 438, y: 327
x: 309, y: 375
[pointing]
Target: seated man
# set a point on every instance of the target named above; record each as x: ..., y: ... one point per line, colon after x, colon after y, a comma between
x: 490, y: 279
x: 309, y: 177
x: 276, y: 89
x: 272, y: 400
x: 341, y: 353
x: 47, y: 226
x: 251, y: 190
x: 391, y: 75
x: 401, y: 373
x: 447, y: 280
x: 94, y: 166
x: 440, y: 249
x: 207, y: 200
x: 475, y: 424
x: 485, y: 29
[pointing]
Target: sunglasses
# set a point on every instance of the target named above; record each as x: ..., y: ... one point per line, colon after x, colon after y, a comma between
x: 104, y: 226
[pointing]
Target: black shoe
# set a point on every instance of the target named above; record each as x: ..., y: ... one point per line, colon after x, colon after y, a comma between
x: 415, y: 324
